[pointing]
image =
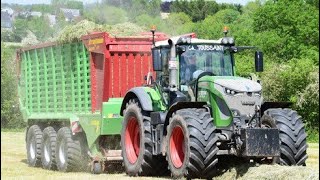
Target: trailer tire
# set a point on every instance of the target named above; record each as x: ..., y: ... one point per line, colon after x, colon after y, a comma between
x: 136, y: 142
x: 293, y: 142
x: 33, y: 142
x: 68, y: 151
x: 191, y: 144
x: 48, y: 148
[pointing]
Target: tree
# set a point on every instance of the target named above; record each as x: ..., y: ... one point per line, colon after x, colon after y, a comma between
x: 198, y: 10
x: 140, y: 7
x: 20, y: 28
x: 294, y: 21
x: 106, y: 14
x: 44, y: 8
x: 165, y: 6
x: 10, y: 117
x: 40, y: 27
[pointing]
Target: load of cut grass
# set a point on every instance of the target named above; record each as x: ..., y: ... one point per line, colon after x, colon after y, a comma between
x: 73, y: 33
x: 125, y: 29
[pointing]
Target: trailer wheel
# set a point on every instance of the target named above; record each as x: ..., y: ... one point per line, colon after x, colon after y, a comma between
x: 34, y: 136
x: 136, y: 143
x: 191, y: 144
x: 293, y: 143
x: 48, y: 148
x: 68, y: 151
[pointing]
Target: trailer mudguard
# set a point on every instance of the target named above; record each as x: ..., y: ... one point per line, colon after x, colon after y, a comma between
x: 142, y: 95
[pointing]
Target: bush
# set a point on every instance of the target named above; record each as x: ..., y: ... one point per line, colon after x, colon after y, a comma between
x: 9, y: 36
x: 308, y: 101
x: 284, y: 81
x: 296, y: 81
x: 10, y: 116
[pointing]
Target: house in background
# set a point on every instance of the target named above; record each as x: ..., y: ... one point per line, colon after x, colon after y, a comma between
x: 36, y: 13
x: 52, y: 19
x: 70, y: 14
x: 8, y: 10
x: 7, y: 18
x: 164, y: 15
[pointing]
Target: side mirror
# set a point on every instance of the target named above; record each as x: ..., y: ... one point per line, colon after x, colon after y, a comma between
x: 156, y: 60
x: 258, y: 59
x: 181, y: 49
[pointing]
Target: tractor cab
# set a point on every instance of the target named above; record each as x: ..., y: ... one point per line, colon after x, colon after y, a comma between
x: 182, y: 60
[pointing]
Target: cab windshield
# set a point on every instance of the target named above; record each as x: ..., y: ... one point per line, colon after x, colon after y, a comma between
x: 201, y: 58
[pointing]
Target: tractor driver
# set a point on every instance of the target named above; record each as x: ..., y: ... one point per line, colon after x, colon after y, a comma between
x: 187, y: 67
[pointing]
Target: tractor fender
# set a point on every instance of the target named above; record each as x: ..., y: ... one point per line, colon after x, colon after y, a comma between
x: 180, y: 105
x: 268, y: 104
x: 142, y: 95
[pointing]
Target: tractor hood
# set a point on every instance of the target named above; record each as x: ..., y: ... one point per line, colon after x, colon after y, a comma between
x: 238, y: 84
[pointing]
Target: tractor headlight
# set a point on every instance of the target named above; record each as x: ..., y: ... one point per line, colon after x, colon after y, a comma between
x: 224, y: 41
x: 184, y: 40
x: 230, y: 91
x: 188, y: 40
x: 257, y: 93
x: 227, y: 41
x: 231, y: 41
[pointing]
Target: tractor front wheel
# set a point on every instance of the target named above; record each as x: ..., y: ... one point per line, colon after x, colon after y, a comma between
x: 293, y: 143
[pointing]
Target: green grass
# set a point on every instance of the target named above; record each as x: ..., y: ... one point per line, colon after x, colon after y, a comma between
x: 13, y: 130
x: 14, y: 166
x: 313, y: 135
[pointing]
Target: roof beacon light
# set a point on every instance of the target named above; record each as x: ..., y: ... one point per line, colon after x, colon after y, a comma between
x: 153, y: 29
x: 225, y: 31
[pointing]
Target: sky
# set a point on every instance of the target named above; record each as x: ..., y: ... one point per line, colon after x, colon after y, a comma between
x: 242, y: 2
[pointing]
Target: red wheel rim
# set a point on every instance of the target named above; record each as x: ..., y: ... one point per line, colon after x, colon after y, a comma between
x: 177, y: 147
x: 132, y: 140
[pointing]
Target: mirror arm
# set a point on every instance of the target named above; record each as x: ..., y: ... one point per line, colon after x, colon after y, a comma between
x: 242, y: 48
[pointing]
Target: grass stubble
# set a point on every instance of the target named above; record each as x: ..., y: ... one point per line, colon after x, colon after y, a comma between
x: 14, y: 166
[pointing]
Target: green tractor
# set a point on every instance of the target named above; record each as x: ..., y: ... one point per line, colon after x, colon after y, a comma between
x: 197, y: 110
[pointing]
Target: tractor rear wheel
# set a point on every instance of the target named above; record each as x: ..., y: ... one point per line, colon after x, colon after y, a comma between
x: 48, y: 148
x: 136, y: 143
x: 33, y: 141
x: 68, y: 151
x: 293, y: 143
x: 191, y: 144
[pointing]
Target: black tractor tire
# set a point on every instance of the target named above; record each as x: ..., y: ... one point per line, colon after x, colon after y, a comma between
x: 48, y: 148
x: 192, y: 144
x: 293, y: 138
x: 33, y: 145
x: 68, y: 152
x: 136, y: 143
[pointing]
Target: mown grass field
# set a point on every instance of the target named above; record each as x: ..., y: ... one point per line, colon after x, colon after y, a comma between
x: 14, y: 166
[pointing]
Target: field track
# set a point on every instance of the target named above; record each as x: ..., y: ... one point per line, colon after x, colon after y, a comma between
x: 14, y: 166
